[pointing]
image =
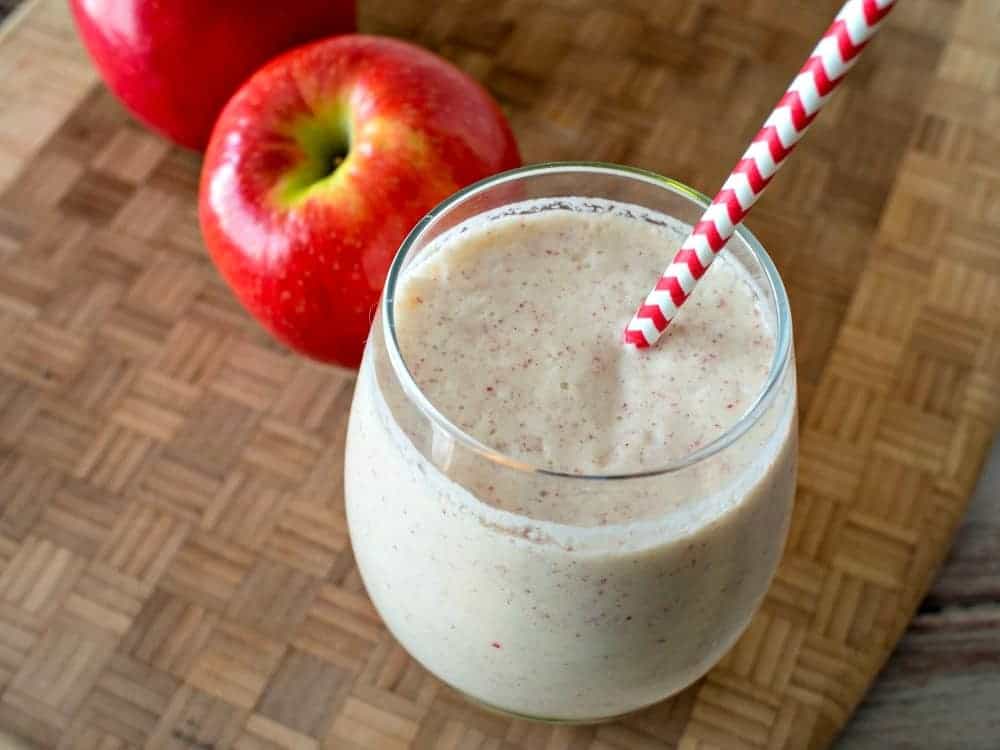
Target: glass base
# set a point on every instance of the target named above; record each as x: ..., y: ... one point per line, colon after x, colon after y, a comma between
x: 547, y: 719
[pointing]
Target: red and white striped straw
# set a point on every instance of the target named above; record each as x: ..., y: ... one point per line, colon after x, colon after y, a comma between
x: 835, y: 54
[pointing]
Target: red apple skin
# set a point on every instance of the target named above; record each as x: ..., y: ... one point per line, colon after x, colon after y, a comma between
x: 312, y: 272
x: 175, y: 63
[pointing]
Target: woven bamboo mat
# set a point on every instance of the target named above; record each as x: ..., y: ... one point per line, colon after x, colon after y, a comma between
x: 174, y: 565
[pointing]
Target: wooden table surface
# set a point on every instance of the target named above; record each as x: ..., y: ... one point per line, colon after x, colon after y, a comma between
x: 941, y: 688
x: 121, y: 356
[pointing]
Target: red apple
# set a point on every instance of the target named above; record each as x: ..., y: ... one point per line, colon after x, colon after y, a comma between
x: 175, y: 63
x: 318, y: 167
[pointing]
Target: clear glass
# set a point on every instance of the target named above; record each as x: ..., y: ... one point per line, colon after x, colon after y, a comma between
x: 546, y: 620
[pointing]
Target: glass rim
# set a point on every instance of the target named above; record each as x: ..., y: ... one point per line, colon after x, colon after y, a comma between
x: 779, y: 362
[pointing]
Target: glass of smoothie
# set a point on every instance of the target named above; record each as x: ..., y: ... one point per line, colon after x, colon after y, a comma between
x: 557, y: 525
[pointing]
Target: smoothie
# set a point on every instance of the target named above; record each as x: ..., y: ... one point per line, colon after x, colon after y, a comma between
x: 495, y: 548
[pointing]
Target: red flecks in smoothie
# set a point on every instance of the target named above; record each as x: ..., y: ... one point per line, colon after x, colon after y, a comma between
x: 518, y: 331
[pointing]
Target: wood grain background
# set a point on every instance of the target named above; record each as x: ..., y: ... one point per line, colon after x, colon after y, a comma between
x: 174, y: 568
x: 940, y: 688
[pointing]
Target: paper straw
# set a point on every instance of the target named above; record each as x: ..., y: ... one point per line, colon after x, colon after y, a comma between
x: 836, y: 53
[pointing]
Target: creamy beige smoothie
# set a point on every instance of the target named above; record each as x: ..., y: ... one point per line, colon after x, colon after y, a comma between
x: 499, y: 560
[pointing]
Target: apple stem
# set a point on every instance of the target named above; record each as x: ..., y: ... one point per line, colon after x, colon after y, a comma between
x: 325, y: 144
x: 336, y: 160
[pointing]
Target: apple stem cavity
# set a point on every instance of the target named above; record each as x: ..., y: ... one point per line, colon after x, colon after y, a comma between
x: 335, y: 162
x: 323, y: 140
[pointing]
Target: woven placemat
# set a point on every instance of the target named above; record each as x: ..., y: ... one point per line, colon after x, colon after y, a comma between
x: 175, y: 570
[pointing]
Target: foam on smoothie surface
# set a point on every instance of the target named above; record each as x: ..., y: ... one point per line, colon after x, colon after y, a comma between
x: 513, y: 330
